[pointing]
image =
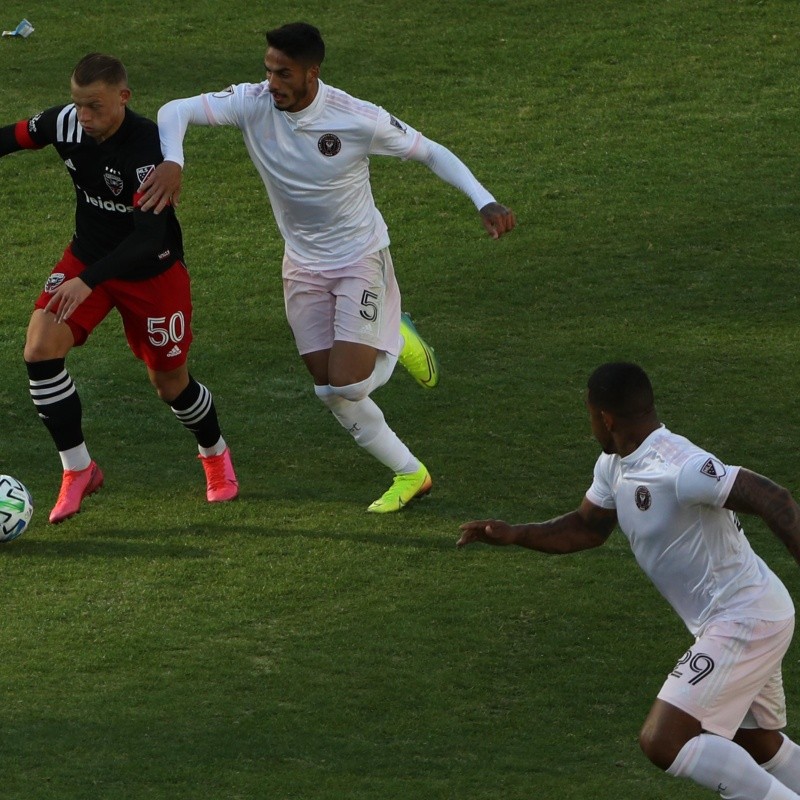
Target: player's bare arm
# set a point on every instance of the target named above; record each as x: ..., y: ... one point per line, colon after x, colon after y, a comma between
x: 587, y: 527
x: 162, y: 187
x: 497, y: 219
x: 754, y: 494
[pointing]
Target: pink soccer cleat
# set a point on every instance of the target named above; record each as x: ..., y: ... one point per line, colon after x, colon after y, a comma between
x: 75, y: 485
x: 221, y: 483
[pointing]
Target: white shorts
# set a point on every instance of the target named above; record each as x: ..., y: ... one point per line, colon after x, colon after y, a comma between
x: 359, y: 303
x: 731, y: 678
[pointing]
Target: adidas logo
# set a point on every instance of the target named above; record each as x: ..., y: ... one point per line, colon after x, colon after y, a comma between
x: 176, y: 351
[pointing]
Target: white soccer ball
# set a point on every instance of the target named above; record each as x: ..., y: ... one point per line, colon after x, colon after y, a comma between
x: 16, y: 508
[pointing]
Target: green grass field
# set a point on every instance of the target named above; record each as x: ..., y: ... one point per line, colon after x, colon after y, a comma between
x: 290, y: 646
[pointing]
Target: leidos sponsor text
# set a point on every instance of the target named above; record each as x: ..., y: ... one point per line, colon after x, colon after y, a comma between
x: 107, y: 205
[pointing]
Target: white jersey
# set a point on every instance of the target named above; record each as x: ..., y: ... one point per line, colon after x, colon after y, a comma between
x: 669, y: 496
x: 315, y: 164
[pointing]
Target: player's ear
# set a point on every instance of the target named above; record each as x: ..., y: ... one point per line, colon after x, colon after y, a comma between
x: 608, y: 419
x: 124, y: 95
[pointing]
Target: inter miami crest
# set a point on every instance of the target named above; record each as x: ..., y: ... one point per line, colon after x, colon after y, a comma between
x: 329, y: 144
x: 643, y: 498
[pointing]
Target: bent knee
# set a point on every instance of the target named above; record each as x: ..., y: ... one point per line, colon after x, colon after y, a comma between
x: 660, y: 749
x: 354, y: 391
x: 44, y: 348
x: 46, y: 339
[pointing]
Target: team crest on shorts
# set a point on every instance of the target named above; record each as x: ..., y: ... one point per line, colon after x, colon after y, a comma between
x: 643, y: 498
x: 329, y: 144
x: 54, y: 281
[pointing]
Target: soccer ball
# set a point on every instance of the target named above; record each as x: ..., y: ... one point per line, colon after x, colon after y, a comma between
x: 16, y: 508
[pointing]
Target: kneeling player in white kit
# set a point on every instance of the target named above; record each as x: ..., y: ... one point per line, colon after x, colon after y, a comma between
x: 719, y: 714
x: 311, y: 144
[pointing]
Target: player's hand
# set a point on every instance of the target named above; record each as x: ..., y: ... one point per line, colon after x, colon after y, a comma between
x: 490, y: 531
x: 161, y: 187
x: 497, y: 219
x: 67, y: 298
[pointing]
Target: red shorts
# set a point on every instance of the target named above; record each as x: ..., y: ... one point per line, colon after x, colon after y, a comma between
x: 156, y: 312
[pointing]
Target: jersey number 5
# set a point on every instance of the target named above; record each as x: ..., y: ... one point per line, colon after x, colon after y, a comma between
x: 370, y: 310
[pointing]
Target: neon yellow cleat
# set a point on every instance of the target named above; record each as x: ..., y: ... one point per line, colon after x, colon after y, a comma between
x: 416, y: 356
x: 404, y: 488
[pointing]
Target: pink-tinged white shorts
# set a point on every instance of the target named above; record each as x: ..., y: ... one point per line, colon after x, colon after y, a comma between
x: 731, y: 677
x: 359, y: 303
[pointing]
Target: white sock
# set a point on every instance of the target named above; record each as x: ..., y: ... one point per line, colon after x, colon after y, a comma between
x: 785, y: 764
x: 76, y: 458
x: 384, y: 367
x: 217, y: 450
x: 365, y: 422
x: 722, y: 766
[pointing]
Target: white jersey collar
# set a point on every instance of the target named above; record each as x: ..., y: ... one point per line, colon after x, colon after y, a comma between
x: 299, y: 119
x: 633, y: 457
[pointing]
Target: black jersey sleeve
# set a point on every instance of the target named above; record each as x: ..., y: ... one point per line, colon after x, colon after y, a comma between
x: 8, y: 140
x: 33, y: 133
x: 123, y: 261
x: 27, y: 134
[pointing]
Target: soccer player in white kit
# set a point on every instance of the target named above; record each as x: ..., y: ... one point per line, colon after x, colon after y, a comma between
x: 311, y: 145
x: 718, y: 716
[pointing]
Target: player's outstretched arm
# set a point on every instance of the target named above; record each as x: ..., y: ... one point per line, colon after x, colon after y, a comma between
x: 163, y: 186
x: 496, y: 218
x: 589, y: 526
x: 754, y: 494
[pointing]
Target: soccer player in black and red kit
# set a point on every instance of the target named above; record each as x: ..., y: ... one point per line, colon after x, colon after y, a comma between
x: 119, y: 257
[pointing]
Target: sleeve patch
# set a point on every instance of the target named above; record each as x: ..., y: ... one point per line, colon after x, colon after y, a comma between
x: 143, y: 173
x: 397, y: 124
x: 713, y: 469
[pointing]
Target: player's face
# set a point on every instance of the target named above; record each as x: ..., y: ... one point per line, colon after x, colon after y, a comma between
x: 600, y: 430
x: 293, y: 85
x: 101, y: 108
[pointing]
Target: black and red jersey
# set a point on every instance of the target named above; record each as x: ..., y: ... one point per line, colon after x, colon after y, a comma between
x: 112, y: 236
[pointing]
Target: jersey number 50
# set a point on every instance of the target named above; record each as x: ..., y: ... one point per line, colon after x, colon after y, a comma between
x: 161, y: 333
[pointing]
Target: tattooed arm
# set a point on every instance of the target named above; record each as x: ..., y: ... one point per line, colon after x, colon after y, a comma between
x: 754, y: 494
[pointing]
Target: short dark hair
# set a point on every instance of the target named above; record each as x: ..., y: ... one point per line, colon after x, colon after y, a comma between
x: 300, y: 41
x: 98, y: 67
x: 621, y: 388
